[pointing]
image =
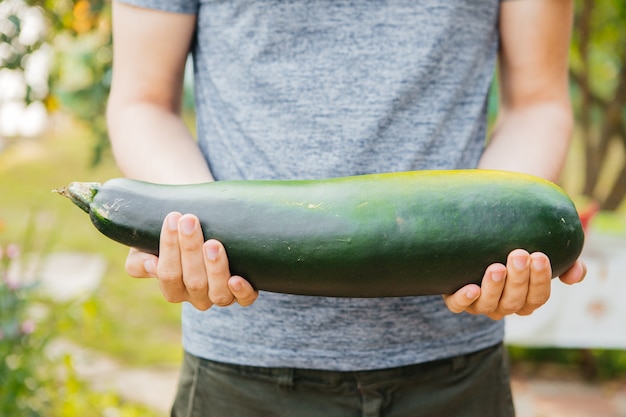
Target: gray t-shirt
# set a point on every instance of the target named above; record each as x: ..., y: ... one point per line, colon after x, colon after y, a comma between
x: 324, y: 88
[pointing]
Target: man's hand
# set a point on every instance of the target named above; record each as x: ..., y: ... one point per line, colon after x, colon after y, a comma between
x: 190, y: 269
x: 519, y: 287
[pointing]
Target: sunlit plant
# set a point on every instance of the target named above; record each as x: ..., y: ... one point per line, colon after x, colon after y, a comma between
x: 21, y: 342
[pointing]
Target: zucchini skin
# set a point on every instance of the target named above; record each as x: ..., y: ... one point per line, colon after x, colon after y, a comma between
x: 378, y: 235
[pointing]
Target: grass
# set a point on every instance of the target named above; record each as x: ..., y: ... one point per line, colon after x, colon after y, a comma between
x: 126, y: 317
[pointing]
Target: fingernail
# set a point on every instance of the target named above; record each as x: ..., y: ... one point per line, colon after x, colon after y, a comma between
x: 150, y: 266
x: 211, y: 251
x: 538, y: 264
x: 520, y: 262
x: 497, y: 276
x: 187, y: 225
x: 471, y: 293
x: 172, y: 222
x: 236, y: 286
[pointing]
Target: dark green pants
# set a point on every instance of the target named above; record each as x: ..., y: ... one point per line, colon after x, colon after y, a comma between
x: 473, y: 385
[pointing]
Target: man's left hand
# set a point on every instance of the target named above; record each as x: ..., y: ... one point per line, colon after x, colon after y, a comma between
x: 519, y: 287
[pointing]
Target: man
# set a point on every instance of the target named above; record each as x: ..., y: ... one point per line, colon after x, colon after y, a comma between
x: 314, y: 89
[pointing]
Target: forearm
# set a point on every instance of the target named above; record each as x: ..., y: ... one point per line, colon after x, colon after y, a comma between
x: 534, y: 140
x: 535, y: 122
x: 149, y: 138
x: 152, y: 144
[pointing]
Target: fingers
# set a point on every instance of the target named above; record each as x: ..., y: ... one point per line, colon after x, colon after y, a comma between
x: 492, y: 288
x: 190, y: 269
x: 217, y: 270
x: 225, y: 289
x: 520, y: 287
x: 539, y: 284
x: 243, y: 290
x: 194, y: 274
x: 517, y: 282
x: 463, y: 298
x: 169, y: 266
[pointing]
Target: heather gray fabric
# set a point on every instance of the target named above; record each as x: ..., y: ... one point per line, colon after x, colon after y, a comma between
x: 314, y: 89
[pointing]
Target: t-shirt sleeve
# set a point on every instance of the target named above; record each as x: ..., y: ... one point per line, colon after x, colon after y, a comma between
x: 174, y: 6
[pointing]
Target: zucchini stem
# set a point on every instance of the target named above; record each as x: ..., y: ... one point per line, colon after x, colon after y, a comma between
x: 80, y: 193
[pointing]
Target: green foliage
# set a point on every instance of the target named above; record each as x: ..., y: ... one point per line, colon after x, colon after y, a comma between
x: 104, y: 323
x: 73, y: 398
x: 20, y: 346
x: 80, y: 76
x: 32, y: 384
x: 591, y: 364
x: 597, y: 48
x: 598, y: 73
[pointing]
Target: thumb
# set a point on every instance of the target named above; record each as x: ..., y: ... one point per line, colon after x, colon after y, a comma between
x: 140, y: 264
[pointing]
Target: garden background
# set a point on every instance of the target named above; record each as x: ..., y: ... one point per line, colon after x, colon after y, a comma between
x: 63, y: 289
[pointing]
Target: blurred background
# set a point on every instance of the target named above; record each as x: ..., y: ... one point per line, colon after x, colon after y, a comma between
x: 79, y: 338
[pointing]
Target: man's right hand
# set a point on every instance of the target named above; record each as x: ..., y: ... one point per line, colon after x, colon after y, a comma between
x: 190, y: 269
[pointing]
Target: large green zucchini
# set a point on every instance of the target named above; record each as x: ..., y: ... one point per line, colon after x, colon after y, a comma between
x: 397, y: 234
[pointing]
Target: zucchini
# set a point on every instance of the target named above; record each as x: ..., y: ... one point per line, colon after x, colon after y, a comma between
x: 378, y: 235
